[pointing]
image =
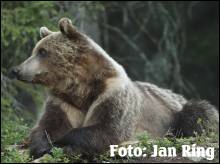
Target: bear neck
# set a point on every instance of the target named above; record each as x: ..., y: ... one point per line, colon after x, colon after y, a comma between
x: 80, y: 96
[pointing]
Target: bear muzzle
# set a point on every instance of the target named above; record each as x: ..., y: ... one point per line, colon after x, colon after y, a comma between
x: 14, y: 72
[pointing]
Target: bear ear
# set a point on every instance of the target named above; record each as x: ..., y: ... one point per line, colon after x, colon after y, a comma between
x: 67, y: 28
x: 44, y: 32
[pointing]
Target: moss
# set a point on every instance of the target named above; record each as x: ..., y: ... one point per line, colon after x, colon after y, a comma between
x: 13, y: 129
x: 57, y: 157
x: 13, y: 155
x: 13, y: 132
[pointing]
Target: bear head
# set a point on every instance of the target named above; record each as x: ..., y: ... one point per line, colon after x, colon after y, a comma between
x: 64, y: 58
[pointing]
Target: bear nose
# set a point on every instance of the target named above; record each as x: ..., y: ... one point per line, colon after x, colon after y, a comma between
x: 14, y: 72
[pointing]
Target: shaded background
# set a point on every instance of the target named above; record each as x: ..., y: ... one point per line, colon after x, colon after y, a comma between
x: 171, y: 44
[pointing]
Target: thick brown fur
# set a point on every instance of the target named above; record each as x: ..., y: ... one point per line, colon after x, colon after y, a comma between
x: 194, y: 118
x: 92, y: 103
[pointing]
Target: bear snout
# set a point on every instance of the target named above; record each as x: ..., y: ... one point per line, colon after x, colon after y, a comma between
x: 14, y: 72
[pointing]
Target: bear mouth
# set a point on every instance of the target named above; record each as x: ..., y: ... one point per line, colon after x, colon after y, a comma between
x: 26, y: 79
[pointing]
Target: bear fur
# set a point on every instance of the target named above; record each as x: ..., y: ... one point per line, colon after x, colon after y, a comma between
x: 92, y: 103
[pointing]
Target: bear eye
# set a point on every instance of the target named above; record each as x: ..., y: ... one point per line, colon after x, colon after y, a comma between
x: 42, y: 52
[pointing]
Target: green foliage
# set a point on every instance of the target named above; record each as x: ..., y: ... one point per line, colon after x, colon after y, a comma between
x: 143, y: 138
x: 57, y: 157
x: 20, y: 28
x: 13, y: 155
x: 203, y: 140
x: 5, y: 102
x: 13, y: 132
x: 13, y: 128
x: 21, y: 22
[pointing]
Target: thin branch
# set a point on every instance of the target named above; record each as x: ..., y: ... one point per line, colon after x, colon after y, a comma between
x: 127, y: 40
x: 48, y: 138
x: 142, y: 26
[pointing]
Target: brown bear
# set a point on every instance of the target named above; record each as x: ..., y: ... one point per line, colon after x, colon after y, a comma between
x: 92, y: 103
